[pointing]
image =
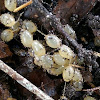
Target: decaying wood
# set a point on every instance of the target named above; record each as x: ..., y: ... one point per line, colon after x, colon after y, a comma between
x: 78, y: 8
x: 23, y: 81
x: 49, y: 21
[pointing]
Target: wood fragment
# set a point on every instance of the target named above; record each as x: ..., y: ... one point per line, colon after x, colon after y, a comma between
x: 73, y: 9
x: 93, y: 86
x: 92, y: 89
x: 23, y: 81
x: 23, y: 6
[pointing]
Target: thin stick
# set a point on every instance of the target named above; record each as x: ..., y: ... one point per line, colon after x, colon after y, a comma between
x: 77, y: 66
x: 92, y: 89
x: 93, y: 86
x: 23, y: 6
x: 41, y: 32
x: 23, y: 81
x: 64, y: 89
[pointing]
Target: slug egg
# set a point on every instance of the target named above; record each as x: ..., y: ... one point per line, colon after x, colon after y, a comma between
x: 89, y: 98
x: 37, y: 61
x: 7, y: 35
x: 68, y: 73
x: 38, y: 48
x: 26, y: 38
x: 78, y: 86
x: 66, y: 52
x: 70, y: 31
x: 7, y: 20
x: 77, y: 75
x: 56, y: 70
x: 10, y: 4
x: 53, y: 41
x: 29, y: 25
x: 58, y: 59
x: 46, y: 61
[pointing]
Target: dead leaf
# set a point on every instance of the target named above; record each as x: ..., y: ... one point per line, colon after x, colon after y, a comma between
x: 64, y: 10
x: 4, y: 50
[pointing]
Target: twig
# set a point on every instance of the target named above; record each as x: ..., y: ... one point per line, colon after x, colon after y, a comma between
x: 23, y: 6
x: 92, y: 89
x: 93, y: 86
x: 23, y: 81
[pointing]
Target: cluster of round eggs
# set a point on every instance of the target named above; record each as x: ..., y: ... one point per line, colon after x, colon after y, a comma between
x: 55, y: 64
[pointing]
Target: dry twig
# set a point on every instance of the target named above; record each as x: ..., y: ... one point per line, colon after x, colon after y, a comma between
x: 97, y: 54
x: 92, y: 89
x: 23, y: 81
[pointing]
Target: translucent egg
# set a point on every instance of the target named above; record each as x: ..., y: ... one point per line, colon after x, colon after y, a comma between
x: 97, y: 41
x: 26, y: 38
x: 58, y: 59
x: 7, y: 20
x: 56, y: 70
x: 10, y: 4
x: 46, y: 61
x: 68, y: 73
x: 77, y: 75
x: 53, y: 41
x: 37, y: 61
x: 29, y: 25
x: 78, y: 86
x: 7, y: 35
x: 38, y: 48
x: 66, y: 52
x: 70, y: 31
x: 89, y: 98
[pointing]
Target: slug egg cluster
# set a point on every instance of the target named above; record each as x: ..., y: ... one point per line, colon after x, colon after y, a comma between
x: 56, y: 63
x: 73, y: 74
x: 9, y: 21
